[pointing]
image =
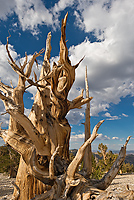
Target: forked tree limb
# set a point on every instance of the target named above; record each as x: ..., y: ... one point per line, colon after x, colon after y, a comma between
x: 33, y: 133
x: 31, y: 62
x: 45, y: 74
x: 107, y: 179
x: 37, y: 85
x: 71, y: 170
x: 19, y: 71
x: 78, y: 158
x: 78, y: 101
x: 79, y: 104
x: 21, y: 74
x: 78, y: 98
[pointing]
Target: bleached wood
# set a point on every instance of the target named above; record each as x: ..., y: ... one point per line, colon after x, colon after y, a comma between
x: 51, y: 163
x: 28, y: 126
x: 79, y: 101
x: 110, y: 175
x: 78, y: 158
x: 5, y: 88
x: 87, y: 161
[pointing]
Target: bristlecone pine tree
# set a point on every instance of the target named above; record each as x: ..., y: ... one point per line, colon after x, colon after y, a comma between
x: 42, y: 139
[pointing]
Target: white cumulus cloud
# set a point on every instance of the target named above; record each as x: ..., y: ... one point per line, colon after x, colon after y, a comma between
x: 124, y: 115
x: 115, y: 138
x: 77, y: 137
x: 109, y: 117
x: 102, y: 137
x: 109, y: 61
x: 6, y: 8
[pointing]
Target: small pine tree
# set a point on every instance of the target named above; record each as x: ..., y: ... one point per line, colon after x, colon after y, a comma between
x: 127, y: 168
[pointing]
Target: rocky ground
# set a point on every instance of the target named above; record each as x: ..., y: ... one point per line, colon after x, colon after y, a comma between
x: 121, y: 181
x: 6, y: 187
x: 119, y: 184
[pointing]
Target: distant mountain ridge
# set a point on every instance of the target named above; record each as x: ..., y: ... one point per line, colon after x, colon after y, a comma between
x: 129, y: 155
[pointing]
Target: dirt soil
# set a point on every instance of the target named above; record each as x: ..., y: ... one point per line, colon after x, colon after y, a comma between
x: 121, y: 181
x: 119, y: 184
x: 6, y: 187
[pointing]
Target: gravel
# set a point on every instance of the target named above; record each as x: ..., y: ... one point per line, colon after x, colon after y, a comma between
x: 6, y: 187
x: 121, y: 181
x: 118, y: 184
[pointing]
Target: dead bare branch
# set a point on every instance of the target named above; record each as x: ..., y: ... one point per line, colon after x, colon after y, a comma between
x: 35, y: 83
x: 110, y: 175
x: 87, y: 161
x: 31, y: 62
x: 48, y: 47
x: 25, y: 62
x: 6, y: 89
x: 127, y: 141
x: 75, y: 66
x: 78, y: 158
x: 4, y: 113
x: 9, y: 55
x: 79, y: 101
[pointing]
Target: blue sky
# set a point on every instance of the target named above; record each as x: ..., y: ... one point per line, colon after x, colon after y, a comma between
x: 100, y: 30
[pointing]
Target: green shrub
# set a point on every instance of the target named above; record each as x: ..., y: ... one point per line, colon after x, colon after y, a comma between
x: 8, y: 159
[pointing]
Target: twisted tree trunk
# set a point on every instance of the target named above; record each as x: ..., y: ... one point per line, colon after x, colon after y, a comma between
x: 42, y: 139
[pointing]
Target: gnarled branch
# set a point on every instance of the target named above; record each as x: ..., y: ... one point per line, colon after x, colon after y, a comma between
x: 20, y: 143
x: 33, y: 133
